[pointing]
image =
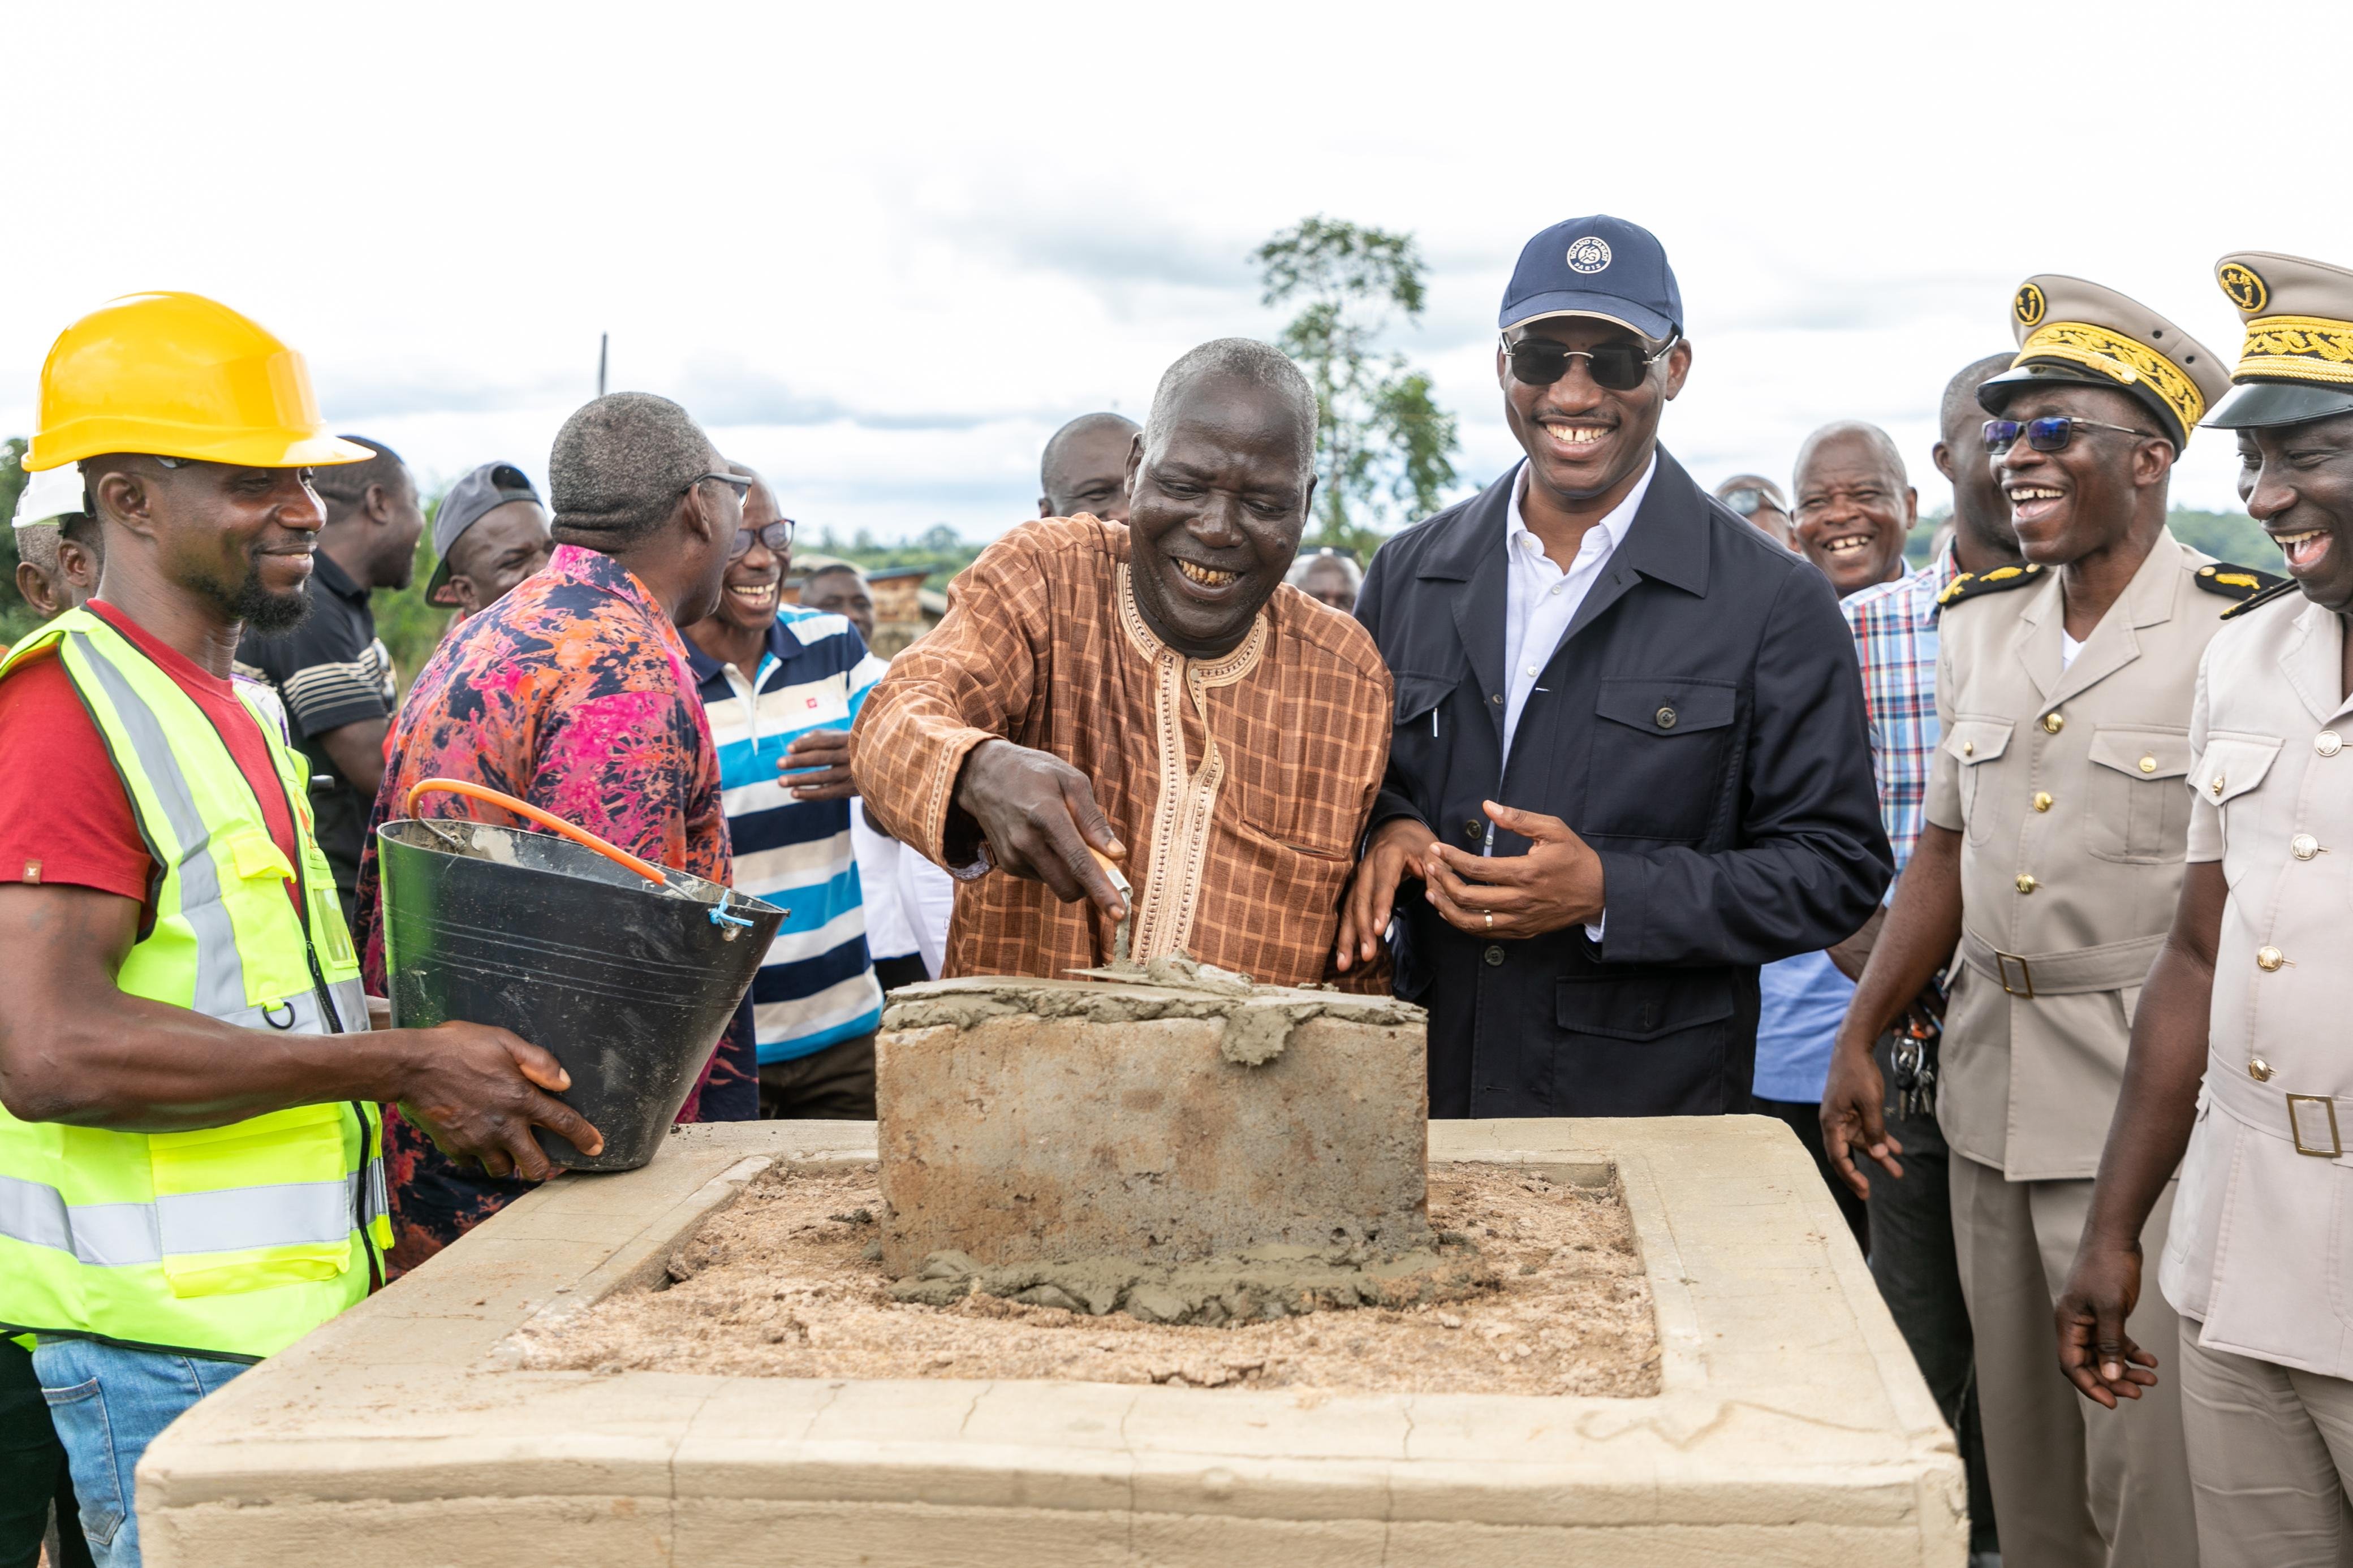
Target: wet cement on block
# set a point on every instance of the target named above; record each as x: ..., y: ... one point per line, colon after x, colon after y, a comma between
x: 1132, y: 1121
x: 783, y: 1284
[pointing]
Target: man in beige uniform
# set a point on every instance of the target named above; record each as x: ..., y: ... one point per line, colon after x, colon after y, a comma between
x: 2255, y: 990
x: 2053, y: 850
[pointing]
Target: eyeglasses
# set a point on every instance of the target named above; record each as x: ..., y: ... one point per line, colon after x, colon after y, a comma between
x: 1621, y: 367
x: 2050, y: 434
x: 1749, y: 501
x: 736, y: 482
x: 777, y: 536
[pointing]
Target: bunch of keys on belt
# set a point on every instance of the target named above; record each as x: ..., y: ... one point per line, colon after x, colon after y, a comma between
x: 1915, y: 1070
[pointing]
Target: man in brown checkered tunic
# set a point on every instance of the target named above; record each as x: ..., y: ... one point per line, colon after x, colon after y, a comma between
x: 1153, y: 691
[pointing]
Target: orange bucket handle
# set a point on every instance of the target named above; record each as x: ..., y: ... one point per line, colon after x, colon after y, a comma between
x: 548, y: 820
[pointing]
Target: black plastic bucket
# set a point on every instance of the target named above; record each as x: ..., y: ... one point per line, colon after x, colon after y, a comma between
x: 630, y: 986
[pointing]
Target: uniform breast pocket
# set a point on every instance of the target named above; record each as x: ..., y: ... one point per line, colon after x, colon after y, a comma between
x: 1655, y: 767
x: 1975, y: 744
x: 2137, y: 812
x: 2225, y: 775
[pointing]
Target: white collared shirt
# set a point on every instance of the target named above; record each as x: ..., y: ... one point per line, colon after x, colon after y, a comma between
x: 1540, y: 599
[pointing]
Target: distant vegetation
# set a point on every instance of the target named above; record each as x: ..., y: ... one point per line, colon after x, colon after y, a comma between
x: 2230, y: 536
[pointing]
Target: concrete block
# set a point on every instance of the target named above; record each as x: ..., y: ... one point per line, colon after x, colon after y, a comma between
x: 1022, y: 1119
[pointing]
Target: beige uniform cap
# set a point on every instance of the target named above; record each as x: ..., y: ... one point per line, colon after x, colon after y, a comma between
x: 2072, y: 330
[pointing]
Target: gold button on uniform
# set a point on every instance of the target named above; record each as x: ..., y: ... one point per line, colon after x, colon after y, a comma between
x: 2052, y: 723
x: 1969, y: 748
x: 2329, y: 744
x: 2026, y: 882
x: 2217, y: 785
x: 2042, y: 800
x: 2259, y: 1069
x: 2148, y: 765
x: 2269, y: 959
x: 2304, y: 846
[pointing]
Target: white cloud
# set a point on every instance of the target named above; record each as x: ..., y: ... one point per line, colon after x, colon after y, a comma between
x: 884, y: 250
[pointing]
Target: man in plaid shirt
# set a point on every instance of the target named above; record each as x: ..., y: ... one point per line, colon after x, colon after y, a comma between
x: 1895, y: 637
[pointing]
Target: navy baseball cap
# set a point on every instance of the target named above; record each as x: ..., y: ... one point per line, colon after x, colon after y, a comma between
x: 1596, y: 266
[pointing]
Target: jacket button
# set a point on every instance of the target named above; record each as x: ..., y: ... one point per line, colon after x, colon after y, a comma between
x: 2304, y: 846
x: 2148, y: 765
x: 2026, y: 882
x: 1474, y: 828
x: 1666, y: 717
x: 1494, y: 956
x: 2052, y: 723
x: 2327, y: 743
x: 2269, y: 959
x: 1497, y: 698
x: 2042, y: 800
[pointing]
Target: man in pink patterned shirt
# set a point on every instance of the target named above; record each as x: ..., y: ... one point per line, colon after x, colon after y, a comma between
x: 573, y: 693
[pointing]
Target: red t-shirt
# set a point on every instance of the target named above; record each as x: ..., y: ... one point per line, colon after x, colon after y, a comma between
x: 63, y: 814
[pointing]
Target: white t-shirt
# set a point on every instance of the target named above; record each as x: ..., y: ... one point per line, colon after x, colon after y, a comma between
x: 2068, y: 649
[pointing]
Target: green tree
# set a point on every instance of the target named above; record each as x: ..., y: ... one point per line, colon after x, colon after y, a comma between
x: 1384, y: 448
x: 16, y: 616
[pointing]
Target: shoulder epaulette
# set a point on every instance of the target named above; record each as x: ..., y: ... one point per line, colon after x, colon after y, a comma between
x: 1995, y: 580
x: 2244, y: 584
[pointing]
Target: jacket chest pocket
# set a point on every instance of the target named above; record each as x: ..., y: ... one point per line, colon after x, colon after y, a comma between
x: 1656, y: 759
x: 1418, y: 752
x: 2228, y: 770
x: 2136, y: 811
x: 1973, y: 743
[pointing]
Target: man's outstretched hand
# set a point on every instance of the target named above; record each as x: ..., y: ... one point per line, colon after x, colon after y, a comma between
x: 1395, y: 852
x: 1038, y: 815
x: 1556, y: 883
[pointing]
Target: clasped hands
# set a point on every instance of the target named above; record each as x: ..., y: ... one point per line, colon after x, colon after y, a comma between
x: 1556, y: 883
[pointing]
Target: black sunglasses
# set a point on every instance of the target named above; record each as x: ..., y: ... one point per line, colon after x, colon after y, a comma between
x: 1620, y: 367
x: 2049, y: 435
x: 777, y: 536
x: 736, y: 482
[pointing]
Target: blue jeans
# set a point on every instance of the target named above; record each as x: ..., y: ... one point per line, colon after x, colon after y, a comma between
x: 108, y: 1404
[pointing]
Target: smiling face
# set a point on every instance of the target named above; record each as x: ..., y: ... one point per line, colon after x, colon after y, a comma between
x: 1854, y: 510
x: 749, y: 596
x: 1217, y: 504
x: 2068, y: 504
x: 1586, y: 443
x: 2298, y: 481
x: 240, y: 540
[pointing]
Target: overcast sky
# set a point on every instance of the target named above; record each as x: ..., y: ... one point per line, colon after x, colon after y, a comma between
x: 882, y: 251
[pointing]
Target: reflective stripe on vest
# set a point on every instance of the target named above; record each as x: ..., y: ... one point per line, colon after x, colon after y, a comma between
x: 233, y: 1240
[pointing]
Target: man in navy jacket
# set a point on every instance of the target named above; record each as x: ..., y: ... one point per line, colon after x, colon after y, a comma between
x: 1631, y: 761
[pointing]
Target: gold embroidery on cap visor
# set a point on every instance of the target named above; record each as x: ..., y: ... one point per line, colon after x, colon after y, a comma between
x: 2298, y: 348
x: 2244, y: 286
x: 2120, y: 359
x: 2028, y: 304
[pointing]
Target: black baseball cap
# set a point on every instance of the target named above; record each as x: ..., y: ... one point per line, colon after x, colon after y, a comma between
x: 482, y: 491
x: 1598, y: 266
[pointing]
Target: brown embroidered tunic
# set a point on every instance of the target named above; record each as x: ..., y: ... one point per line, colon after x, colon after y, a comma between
x: 1240, y: 786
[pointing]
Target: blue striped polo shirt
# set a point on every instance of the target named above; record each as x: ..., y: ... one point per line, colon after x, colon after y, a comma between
x: 816, y: 986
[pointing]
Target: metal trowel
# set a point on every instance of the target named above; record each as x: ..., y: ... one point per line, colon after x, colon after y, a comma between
x: 1126, y: 896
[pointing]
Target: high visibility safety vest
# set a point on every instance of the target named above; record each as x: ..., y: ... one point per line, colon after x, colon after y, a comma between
x: 231, y: 1241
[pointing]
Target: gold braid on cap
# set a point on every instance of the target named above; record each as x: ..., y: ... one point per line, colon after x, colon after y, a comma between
x: 2119, y: 358
x: 2298, y: 348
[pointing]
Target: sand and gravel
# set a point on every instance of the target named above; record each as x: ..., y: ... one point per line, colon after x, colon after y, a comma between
x: 786, y: 1283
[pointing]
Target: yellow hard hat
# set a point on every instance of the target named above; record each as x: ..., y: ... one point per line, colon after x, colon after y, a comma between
x: 179, y: 376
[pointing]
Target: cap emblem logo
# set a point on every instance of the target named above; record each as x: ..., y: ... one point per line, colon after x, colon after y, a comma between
x: 2244, y: 286
x: 1590, y: 254
x: 2029, y: 305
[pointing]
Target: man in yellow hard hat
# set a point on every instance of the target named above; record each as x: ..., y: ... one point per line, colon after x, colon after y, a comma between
x: 190, y: 1172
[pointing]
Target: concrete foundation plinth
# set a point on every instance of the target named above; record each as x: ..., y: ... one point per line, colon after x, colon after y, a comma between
x: 1030, y: 1118
x: 1790, y: 1428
